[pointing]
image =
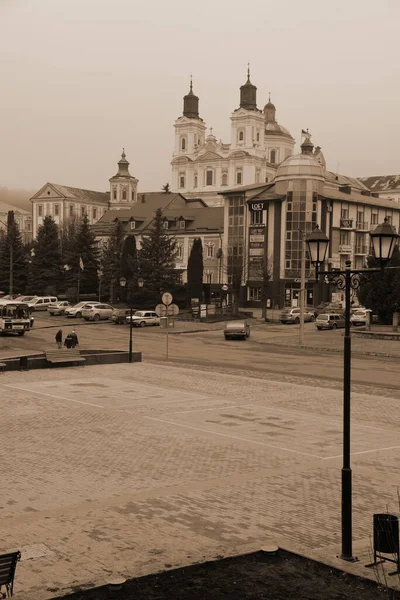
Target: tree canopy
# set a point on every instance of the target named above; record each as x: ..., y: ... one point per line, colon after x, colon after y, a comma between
x: 382, y: 293
x: 46, y: 267
x: 13, y: 258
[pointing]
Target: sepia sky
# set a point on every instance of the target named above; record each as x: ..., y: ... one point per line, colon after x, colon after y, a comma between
x: 83, y: 78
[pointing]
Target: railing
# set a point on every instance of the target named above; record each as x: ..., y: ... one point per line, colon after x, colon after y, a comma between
x: 346, y: 223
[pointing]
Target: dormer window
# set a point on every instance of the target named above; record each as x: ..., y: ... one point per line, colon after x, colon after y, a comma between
x: 182, y: 224
x: 165, y: 224
x: 133, y: 225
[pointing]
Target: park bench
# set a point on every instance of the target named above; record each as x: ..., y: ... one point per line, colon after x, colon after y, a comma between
x: 8, y: 564
x: 64, y: 356
x: 2, y: 367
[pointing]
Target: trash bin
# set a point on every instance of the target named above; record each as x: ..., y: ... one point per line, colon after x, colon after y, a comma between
x: 386, y: 533
x: 23, y: 363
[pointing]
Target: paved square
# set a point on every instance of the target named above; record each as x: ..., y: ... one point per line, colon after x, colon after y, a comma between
x: 131, y: 468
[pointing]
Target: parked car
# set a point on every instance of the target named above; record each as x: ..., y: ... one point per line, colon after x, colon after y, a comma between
x: 95, y: 312
x: 329, y: 321
x: 119, y: 315
x: 25, y: 298
x: 292, y: 315
x: 141, y: 318
x: 329, y: 307
x: 41, y: 302
x: 237, y: 329
x: 76, y: 309
x: 58, y: 308
x: 359, y: 316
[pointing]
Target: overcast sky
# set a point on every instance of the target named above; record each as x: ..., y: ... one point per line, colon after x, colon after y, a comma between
x: 83, y: 78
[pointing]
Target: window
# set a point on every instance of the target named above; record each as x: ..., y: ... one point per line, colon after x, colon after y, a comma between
x: 183, y: 143
x: 241, y: 136
x: 165, y: 224
x: 224, y: 178
x: 344, y: 213
x: 124, y: 194
x: 374, y: 218
x: 289, y: 235
x: 115, y: 193
x: 48, y: 192
x: 239, y: 177
x: 181, y: 181
x: 94, y: 213
x: 208, y: 276
x: 210, y: 251
x: 258, y: 137
x: 133, y: 196
x: 182, y: 224
x: 83, y: 211
x: 40, y: 210
x: 255, y: 293
x: 56, y: 210
x: 266, y: 179
x: 71, y: 210
x: 28, y: 227
x: 133, y: 224
x: 344, y: 238
x: 209, y: 177
x: 195, y: 181
x: 258, y: 176
x: 389, y: 219
x: 256, y: 217
x: 179, y: 251
x: 273, y: 157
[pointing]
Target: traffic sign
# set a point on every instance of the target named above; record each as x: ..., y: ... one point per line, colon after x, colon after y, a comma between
x: 167, y: 298
x: 173, y: 309
x: 161, y: 310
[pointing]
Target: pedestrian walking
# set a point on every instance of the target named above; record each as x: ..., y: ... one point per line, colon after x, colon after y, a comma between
x: 59, y: 338
x: 69, y: 340
x: 75, y: 341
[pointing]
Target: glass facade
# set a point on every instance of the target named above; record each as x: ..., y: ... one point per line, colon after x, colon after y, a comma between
x: 301, y: 218
x: 235, y: 265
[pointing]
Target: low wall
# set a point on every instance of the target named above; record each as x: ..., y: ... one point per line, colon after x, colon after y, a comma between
x: 92, y: 357
x: 379, y: 335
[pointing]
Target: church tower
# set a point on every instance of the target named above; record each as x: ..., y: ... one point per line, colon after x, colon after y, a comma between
x: 247, y: 121
x: 123, y: 186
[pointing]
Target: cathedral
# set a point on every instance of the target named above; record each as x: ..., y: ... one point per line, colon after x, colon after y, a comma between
x: 202, y: 166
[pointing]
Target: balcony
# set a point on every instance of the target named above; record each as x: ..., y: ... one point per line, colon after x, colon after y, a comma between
x: 345, y: 248
x: 361, y: 250
x: 346, y: 223
x: 362, y: 226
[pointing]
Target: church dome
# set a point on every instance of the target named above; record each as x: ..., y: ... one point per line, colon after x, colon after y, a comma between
x: 273, y: 128
x: 300, y: 166
x: 269, y: 106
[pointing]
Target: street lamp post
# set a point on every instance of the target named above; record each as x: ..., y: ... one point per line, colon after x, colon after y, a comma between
x: 383, y: 239
x: 122, y: 283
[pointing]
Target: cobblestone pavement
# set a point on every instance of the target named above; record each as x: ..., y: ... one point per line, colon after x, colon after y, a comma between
x: 131, y: 469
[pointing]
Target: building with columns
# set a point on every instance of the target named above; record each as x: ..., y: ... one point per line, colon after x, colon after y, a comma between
x: 264, y: 225
x: 202, y: 166
x: 63, y: 202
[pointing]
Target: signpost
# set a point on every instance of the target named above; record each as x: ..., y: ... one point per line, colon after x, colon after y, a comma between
x: 164, y: 311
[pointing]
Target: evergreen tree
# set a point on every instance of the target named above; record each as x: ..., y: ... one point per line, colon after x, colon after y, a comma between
x: 111, y: 260
x: 195, y: 270
x: 382, y: 293
x: 46, y: 269
x: 13, y: 258
x: 166, y: 188
x: 157, y: 258
x: 129, y: 267
x: 82, y: 256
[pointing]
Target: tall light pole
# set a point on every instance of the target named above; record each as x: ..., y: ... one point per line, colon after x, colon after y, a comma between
x: 122, y: 283
x: 384, y: 239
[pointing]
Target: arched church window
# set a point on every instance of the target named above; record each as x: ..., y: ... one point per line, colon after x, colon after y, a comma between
x: 195, y: 181
x: 239, y: 177
x: 273, y: 157
x: 258, y: 136
x: 124, y: 194
x: 241, y: 136
x: 133, y: 196
x: 209, y: 177
x: 181, y: 180
x: 114, y: 194
x: 183, y: 143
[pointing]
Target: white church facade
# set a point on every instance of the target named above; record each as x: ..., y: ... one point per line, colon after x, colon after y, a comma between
x: 202, y: 166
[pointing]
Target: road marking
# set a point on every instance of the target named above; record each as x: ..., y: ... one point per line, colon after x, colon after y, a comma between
x: 16, y: 387
x: 233, y: 437
x: 363, y: 452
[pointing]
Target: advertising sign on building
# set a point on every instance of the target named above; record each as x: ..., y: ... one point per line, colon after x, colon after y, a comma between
x: 256, y: 252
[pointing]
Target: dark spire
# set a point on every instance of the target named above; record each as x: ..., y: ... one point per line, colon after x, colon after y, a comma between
x: 307, y: 146
x: 191, y: 104
x: 269, y: 111
x: 248, y: 93
x: 123, y: 165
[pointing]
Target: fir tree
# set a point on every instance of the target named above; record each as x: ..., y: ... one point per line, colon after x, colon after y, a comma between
x: 46, y: 268
x: 166, y: 188
x: 81, y: 256
x: 129, y: 267
x: 382, y: 293
x: 13, y: 258
x: 157, y: 258
x: 111, y: 260
x: 195, y: 270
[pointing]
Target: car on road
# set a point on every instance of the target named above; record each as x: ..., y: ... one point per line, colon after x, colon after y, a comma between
x: 76, y: 309
x: 119, y: 315
x: 58, y: 308
x: 41, y: 302
x: 292, y: 315
x: 25, y: 298
x: 142, y: 318
x: 359, y: 316
x: 237, y: 330
x: 329, y: 321
x: 95, y: 312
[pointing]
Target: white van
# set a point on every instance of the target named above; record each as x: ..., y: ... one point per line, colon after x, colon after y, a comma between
x: 41, y: 302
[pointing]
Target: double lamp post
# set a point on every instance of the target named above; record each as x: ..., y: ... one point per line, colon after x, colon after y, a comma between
x: 122, y: 283
x: 384, y: 239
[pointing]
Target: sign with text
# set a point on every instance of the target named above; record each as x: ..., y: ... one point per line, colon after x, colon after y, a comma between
x: 257, y: 239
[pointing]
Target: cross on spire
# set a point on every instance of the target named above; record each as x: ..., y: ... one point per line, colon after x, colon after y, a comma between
x: 191, y: 82
x: 248, y: 70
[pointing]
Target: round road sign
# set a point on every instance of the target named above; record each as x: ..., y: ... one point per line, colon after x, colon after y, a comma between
x: 167, y: 298
x: 225, y: 287
x: 161, y: 310
x: 173, y: 309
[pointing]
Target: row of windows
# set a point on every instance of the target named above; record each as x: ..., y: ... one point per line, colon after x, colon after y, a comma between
x: 183, y: 143
x: 209, y: 251
x: 71, y: 211
x: 210, y: 178
x: 124, y: 194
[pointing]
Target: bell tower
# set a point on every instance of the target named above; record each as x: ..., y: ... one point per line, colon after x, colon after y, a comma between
x: 123, y: 186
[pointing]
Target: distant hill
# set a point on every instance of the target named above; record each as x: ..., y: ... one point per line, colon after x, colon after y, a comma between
x: 19, y: 198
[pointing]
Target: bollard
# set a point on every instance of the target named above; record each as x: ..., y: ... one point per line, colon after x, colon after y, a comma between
x: 395, y: 325
x: 368, y: 320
